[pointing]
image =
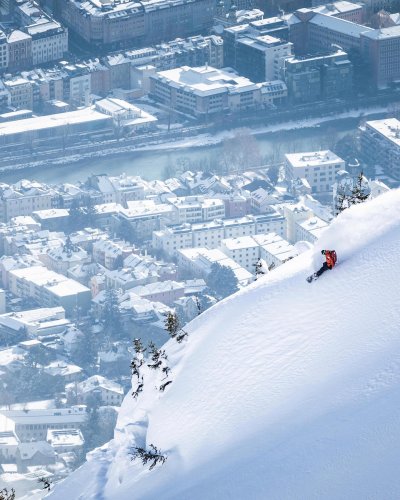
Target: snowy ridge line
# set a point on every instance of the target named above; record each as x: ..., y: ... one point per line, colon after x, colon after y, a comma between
x: 282, y: 391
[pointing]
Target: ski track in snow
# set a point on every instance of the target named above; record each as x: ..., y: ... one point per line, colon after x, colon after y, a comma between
x: 286, y: 390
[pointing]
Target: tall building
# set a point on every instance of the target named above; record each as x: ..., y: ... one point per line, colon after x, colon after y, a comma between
x: 323, y: 77
x: 262, y: 58
x: 381, y: 48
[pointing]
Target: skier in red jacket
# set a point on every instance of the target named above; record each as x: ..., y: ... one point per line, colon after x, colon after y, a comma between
x: 331, y: 258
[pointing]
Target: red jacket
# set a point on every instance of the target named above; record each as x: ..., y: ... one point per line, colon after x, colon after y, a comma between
x: 331, y: 258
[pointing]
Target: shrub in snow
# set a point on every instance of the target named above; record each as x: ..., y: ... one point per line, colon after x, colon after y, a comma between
x: 153, y: 456
x: 46, y: 483
x: 6, y: 495
x: 138, y: 389
x: 137, y: 361
x: 157, y: 356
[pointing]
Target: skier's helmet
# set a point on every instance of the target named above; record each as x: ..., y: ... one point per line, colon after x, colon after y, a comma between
x: 323, y: 252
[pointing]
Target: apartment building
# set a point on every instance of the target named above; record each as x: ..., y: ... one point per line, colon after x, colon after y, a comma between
x: 20, y: 92
x: 49, y: 41
x: 380, y: 144
x: 210, y: 234
x: 319, y: 168
x: 108, y: 392
x: 24, y: 197
x: 124, y: 23
x: 192, y: 209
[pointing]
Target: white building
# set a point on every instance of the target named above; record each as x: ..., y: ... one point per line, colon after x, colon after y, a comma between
x: 2, y: 301
x: 36, y: 322
x: 49, y: 289
x: 244, y: 250
x: 311, y: 229
x: 119, y: 189
x: 66, y: 440
x: 274, y: 250
x: 21, y: 92
x: 197, y: 209
x: 204, y: 90
x: 380, y: 142
x: 161, y: 291
x: 210, y: 234
x: 145, y: 216
x: 198, y: 261
x: 32, y: 425
x: 319, y: 168
x: 109, y: 392
x: 61, y: 259
x: 49, y: 41
x: 125, y: 115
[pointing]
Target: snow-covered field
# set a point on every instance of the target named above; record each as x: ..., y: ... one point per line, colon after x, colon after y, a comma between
x: 286, y: 390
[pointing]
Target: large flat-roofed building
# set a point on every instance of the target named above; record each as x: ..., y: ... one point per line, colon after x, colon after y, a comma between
x: 204, y: 90
x: 32, y: 425
x: 60, y: 127
x: 121, y: 23
x: 319, y: 168
x: 49, y: 289
x: 381, y: 48
x: 380, y: 143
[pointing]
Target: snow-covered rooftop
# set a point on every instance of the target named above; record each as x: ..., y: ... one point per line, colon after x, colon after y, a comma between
x: 206, y: 80
x: 312, y: 159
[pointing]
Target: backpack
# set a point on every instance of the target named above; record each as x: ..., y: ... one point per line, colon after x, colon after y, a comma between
x: 331, y: 257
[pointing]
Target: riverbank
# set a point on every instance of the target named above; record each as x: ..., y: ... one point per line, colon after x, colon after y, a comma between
x: 134, y: 158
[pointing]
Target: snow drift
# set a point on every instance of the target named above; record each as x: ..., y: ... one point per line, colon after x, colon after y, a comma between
x: 285, y: 390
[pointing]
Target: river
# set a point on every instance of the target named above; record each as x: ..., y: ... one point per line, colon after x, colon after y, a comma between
x: 156, y: 164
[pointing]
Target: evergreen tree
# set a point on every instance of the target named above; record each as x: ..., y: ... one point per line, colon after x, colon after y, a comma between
x: 89, y: 212
x: 91, y: 428
x: 341, y: 201
x: 85, y: 350
x: 358, y: 194
x: 76, y: 219
x: 222, y: 280
x: 152, y: 456
x: 273, y: 174
x: 112, y: 315
x: 173, y: 327
x: 172, y: 324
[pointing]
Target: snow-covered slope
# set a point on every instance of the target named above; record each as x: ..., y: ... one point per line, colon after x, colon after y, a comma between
x: 286, y: 390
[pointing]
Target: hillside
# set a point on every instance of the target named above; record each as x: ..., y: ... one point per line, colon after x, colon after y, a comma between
x: 285, y: 390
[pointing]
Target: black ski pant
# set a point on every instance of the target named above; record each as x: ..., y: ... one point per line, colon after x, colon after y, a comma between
x: 324, y: 268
